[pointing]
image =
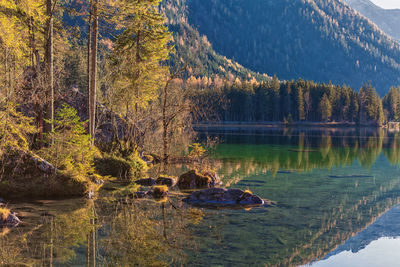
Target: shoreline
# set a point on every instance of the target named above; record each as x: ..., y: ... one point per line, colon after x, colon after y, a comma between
x: 280, y: 125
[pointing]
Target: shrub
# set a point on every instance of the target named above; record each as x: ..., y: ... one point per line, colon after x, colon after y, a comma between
x: 130, y: 168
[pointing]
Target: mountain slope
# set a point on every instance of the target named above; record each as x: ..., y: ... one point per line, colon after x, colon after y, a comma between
x: 387, y: 19
x: 194, y: 51
x: 318, y: 40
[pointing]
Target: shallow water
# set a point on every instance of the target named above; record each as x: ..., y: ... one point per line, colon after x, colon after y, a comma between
x: 336, y: 195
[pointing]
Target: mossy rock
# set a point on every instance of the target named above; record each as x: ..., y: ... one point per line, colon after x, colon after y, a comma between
x: 27, y: 175
x: 124, y: 169
x: 160, y: 191
x: 192, y: 180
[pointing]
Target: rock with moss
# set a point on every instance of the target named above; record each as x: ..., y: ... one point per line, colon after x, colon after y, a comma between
x: 160, y: 191
x: 27, y: 175
x: 224, y: 197
x: 166, y: 180
x: 193, y: 180
x: 130, y: 168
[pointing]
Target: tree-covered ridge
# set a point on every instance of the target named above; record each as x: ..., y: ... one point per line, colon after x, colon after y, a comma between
x: 300, y: 101
x: 313, y: 39
x: 387, y: 19
x: 195, y: 53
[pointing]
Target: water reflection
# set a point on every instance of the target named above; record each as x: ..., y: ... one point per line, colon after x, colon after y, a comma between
x: 250, y: 151
x: 329, y: 185
x: 116, y: 233
x: 360, y: 250
x: 50, y: 232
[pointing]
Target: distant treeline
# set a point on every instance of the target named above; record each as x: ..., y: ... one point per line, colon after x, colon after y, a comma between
x: 294, y: 101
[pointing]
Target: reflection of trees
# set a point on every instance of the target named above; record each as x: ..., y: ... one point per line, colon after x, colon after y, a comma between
x: 138, y: 233
x: 52, y: 239
x: 315, y: 213
x: 305, y: 153
x: 393, y: 151
x: 313, y: 216
x: 147, y: 234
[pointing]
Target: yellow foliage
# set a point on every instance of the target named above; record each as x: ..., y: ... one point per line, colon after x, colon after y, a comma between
x: 247, y: 191
x: 15, y: 17
x: 4, y: 213
x: 14, y: 128
x: 197, y: 150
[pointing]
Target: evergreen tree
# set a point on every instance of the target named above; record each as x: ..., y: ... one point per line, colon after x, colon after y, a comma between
x: 138, y: 53
x: 325, y: 108
x: 138, y: 61
x: 275, y: 85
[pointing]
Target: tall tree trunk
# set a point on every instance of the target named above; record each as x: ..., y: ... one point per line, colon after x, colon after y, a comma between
x: 6, y: 71
x: 93, y: 71
x: 36, y: 81
x: 165, y: 124
x: 88, y: 56
x: 49, y: 66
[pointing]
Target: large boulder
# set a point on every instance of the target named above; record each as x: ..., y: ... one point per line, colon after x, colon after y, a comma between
x: 26, y: 175
x: 224, y: 197
x: 193, y: 180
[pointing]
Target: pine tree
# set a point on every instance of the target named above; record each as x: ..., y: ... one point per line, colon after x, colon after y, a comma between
x: 325, y: 108
x: 275, y: 85
x: 138, y: 53
x: 137, y: 59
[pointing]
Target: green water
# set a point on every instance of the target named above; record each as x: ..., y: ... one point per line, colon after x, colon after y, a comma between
x: 329, y: 187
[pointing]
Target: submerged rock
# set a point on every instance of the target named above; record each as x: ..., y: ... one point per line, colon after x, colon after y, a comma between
x: 168, y: 181
x: 12, y: 220
x: 146, y: 182
x: 8, y: 219
x: 141, y: 194
x: 192, y: 180
x: 224, y: 197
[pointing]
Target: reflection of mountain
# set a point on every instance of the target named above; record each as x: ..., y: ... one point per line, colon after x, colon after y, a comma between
x: 314, y: 213
x: 385, y: 226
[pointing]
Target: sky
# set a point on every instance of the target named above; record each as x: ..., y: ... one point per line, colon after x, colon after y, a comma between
x: 388, y: 4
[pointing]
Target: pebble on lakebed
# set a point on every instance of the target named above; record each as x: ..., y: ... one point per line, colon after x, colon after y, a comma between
x: 224, y: 197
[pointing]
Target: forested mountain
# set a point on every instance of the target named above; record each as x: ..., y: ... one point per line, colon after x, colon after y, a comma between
x: 196, y: 53
x: 313, y: 39
x: 387, y: 19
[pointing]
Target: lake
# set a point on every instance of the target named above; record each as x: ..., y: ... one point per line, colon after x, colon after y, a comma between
x: 335, y: 193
